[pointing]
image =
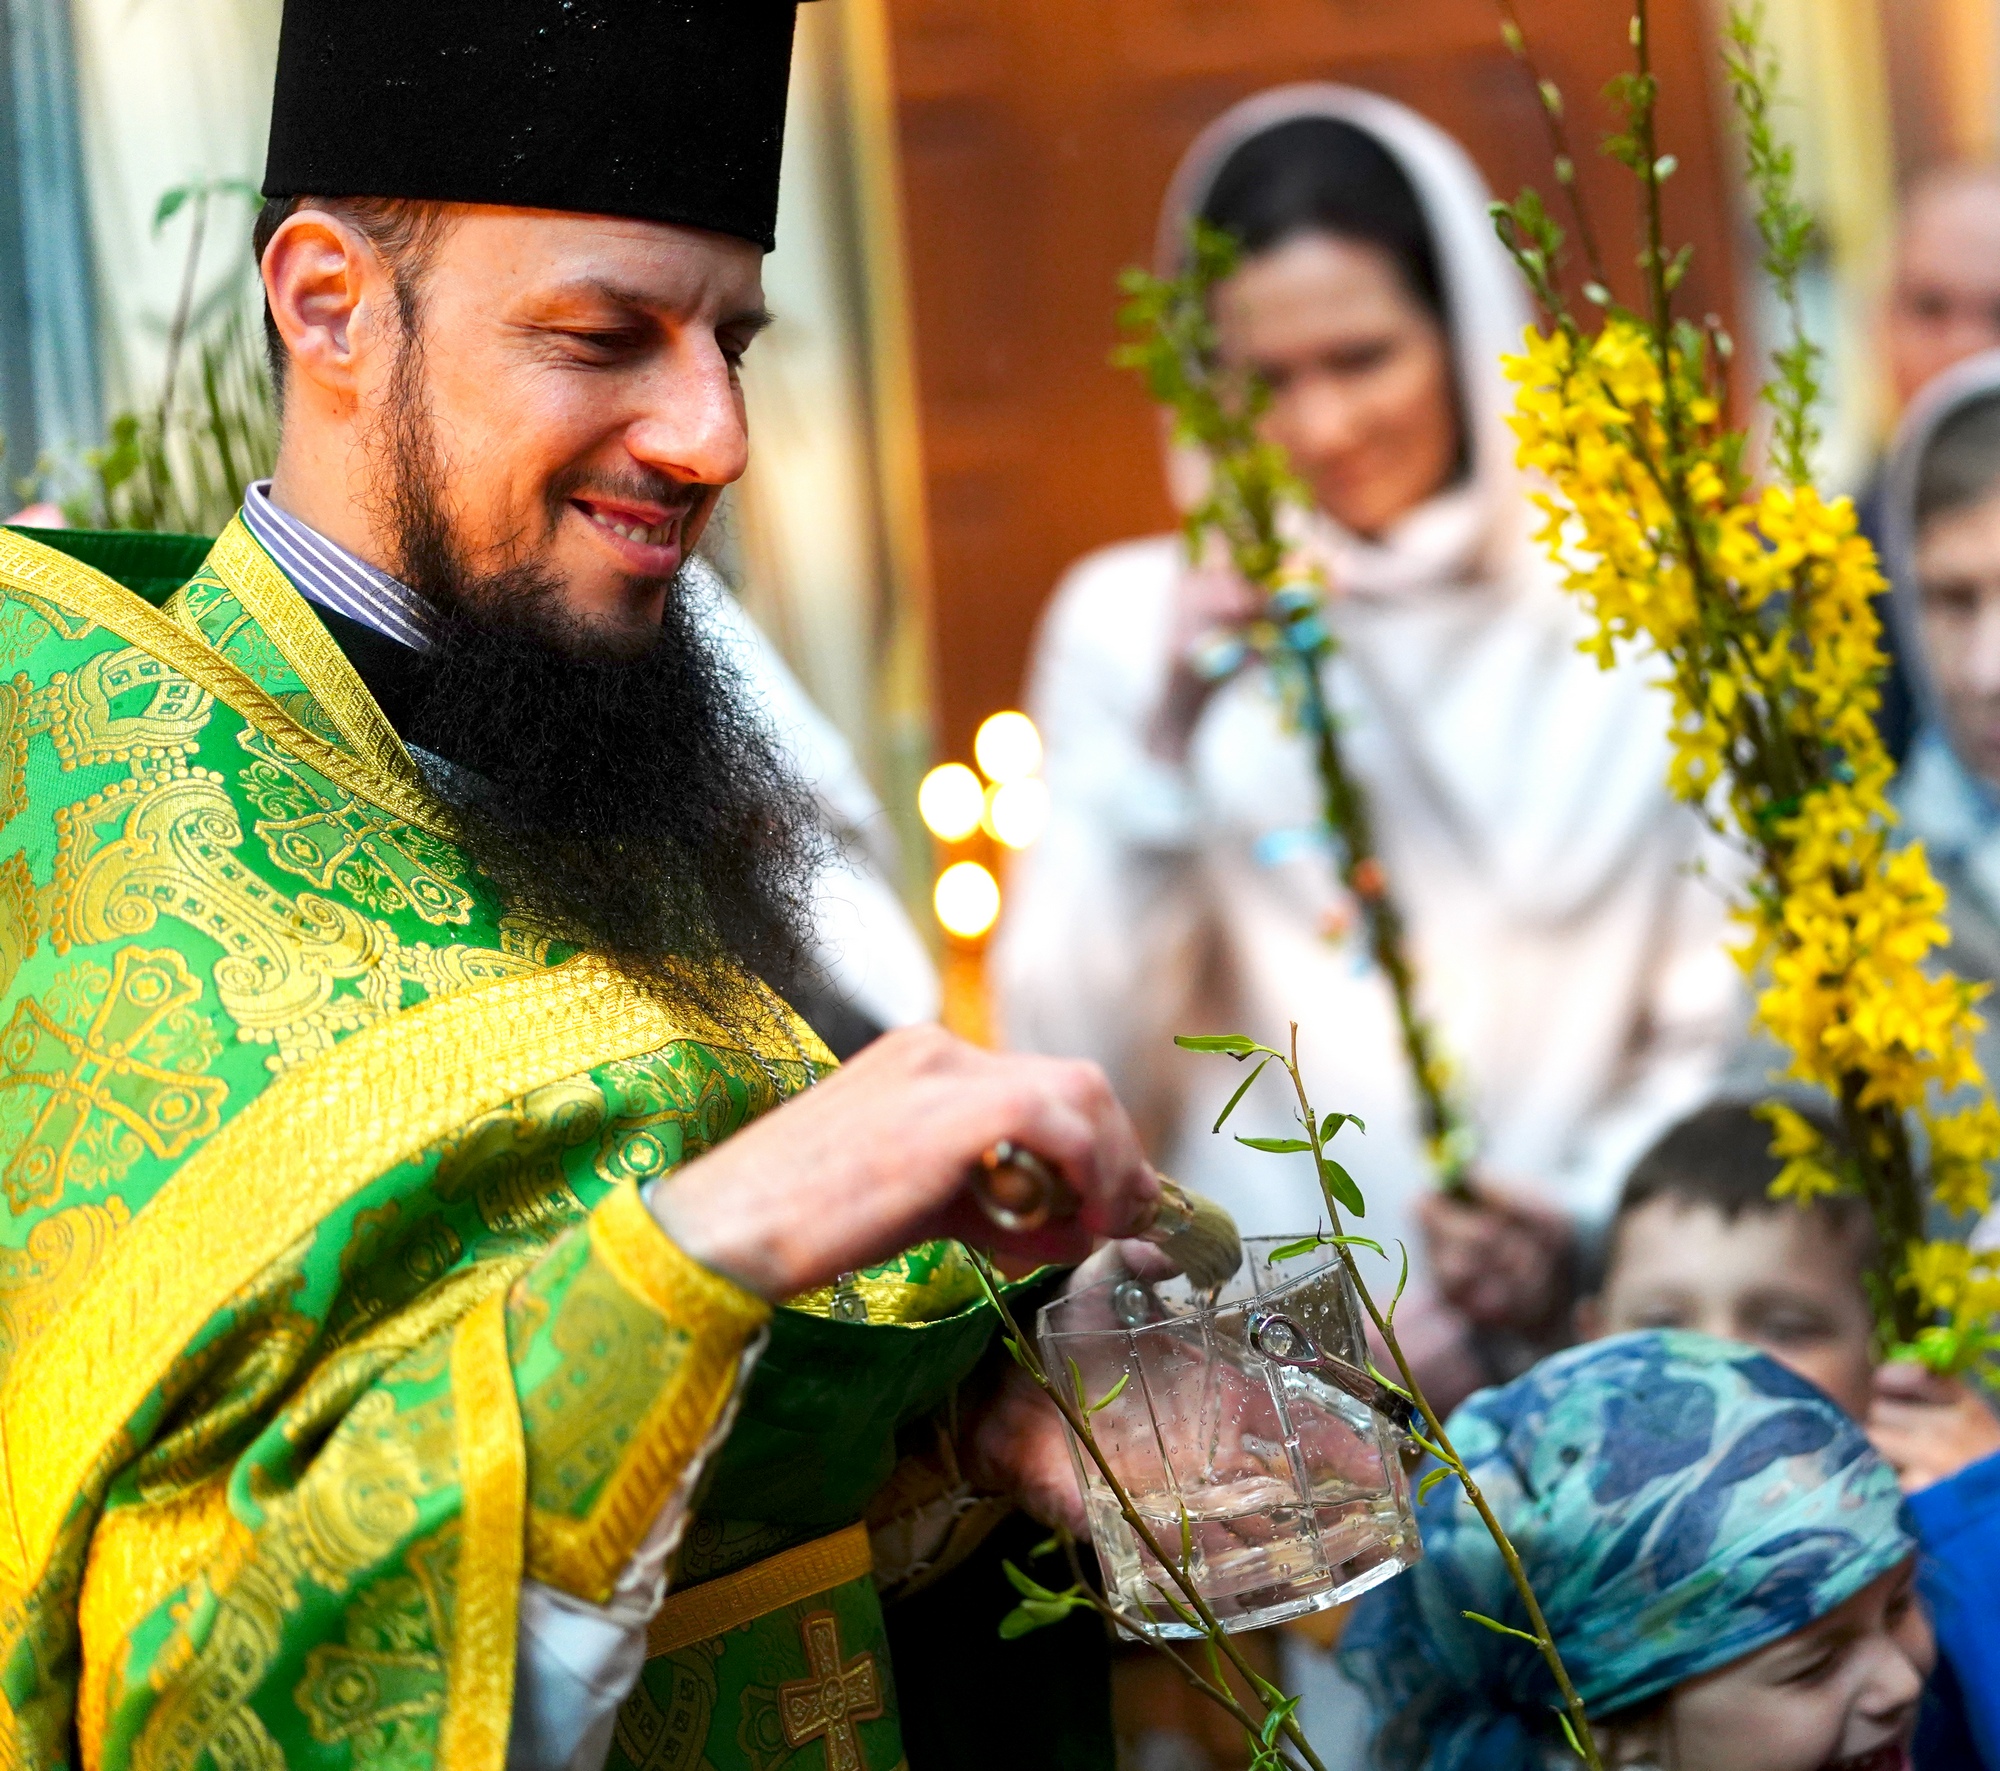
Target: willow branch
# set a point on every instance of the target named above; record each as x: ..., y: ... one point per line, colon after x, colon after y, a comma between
x: 1078, y: 1422
x: 1440, y: 1440
x: 1549, y: 101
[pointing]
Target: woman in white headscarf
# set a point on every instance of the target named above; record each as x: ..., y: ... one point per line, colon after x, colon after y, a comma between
x: 1569, y: 958
x: 1941, y: 523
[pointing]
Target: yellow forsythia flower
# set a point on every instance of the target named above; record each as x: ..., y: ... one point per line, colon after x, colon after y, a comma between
x: 1760, y: 602
x: 1938, y: 1272
x: 1807, y: 1175
x: 1963, y: 1146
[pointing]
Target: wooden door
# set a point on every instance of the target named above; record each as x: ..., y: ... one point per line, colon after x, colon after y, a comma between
x: 1037, y: 137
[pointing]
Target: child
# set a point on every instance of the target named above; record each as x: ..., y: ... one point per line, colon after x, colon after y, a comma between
x: 1719, y: 1552
x: 1697, y: 1242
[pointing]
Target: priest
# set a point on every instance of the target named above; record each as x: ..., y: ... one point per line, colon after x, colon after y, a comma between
x: 451, y: 1310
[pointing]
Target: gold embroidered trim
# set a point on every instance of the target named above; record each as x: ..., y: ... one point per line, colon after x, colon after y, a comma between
x: 895, y: 1301
x: 48, y: 576
x: 493, y: 1477
x: 652, y: 1265
x: 584, y: 1556
x: 270, y: 599
x: 140, y: 1554
x: 731, y: 1600
x: 52, y: 578
x: 316, y: 1136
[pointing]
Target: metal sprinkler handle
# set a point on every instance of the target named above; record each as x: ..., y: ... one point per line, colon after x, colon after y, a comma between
x: 1020, y: 1192
x: 1284, y: 1342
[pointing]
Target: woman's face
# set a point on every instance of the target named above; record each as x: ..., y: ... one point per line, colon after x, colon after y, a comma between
x: 1958, y: 592
x: 1362, y: 395
x: 1841, y: 1695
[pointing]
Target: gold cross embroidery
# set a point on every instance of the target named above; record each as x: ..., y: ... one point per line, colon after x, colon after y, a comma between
x: 312, y: 829
x: 829, y: 1704
x: 115, y: 1069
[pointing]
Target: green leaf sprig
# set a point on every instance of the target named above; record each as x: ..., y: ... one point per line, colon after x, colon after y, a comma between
x: 1339, y: 1193
x: 1271, y: 1732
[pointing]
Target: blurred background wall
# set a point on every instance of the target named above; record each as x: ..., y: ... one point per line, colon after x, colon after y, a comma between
x: 938, y: 429
x: 1037, y: 138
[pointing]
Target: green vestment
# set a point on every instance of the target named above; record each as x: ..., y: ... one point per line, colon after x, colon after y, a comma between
x: 329, y: 1310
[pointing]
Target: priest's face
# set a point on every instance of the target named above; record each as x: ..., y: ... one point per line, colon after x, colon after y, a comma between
x: 528, y: 417
x: 577, y: 378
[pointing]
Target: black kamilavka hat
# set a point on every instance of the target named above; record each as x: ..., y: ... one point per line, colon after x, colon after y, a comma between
x: 654, y: 109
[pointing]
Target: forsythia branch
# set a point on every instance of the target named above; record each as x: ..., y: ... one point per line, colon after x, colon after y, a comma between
x: 1760, y: 597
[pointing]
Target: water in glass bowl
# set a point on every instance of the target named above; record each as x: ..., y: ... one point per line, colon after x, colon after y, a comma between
x: 1255, y: 1551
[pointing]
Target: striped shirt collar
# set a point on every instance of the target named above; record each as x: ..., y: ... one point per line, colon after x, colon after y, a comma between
x: 324, y: 572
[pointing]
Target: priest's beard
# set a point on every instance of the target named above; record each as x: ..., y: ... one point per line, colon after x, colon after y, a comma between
x: 618, y: 793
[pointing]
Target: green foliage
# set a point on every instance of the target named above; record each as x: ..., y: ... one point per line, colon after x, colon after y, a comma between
x: 1437, y: 1441
x: 1174, y: 349
x: 1341, y: 1186
x: 1174, y: 1603
x: 199, y: 190
x: 1535, y: 241
x: 1110, y: 1396
x: 1292, y: 1250
x: 1082, y: 1398
x: 1237, y: 1045
x: 1173, y: 345
x: 1341, y: 1191
x: 1269, y: 1757
x: 1039, y: 1606
x: 182, y: 463
x: 1375, y: 1372
x: 187, y: 473
x: 1952, y: 1347
x: 1499, y: 1628
x: 1306, y: 1245
x: 1242, y: 1089
x: 1789, y: 235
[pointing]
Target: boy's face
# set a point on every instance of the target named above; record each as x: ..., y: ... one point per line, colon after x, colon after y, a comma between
x: 1783, y: 1280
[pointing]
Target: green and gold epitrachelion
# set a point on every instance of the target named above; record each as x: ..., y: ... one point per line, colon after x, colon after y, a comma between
x: 329, y: 1308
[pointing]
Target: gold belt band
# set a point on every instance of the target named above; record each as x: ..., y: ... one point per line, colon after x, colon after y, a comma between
x: 731, y: 1600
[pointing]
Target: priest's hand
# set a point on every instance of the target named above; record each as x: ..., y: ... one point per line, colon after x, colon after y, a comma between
x: 881, y: 1155
x: 1015, y: 1444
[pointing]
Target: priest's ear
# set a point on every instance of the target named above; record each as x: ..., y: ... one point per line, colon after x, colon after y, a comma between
x: 338, y: 303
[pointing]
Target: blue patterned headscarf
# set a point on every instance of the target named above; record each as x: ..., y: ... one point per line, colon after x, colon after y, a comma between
x: 1678, y: 1502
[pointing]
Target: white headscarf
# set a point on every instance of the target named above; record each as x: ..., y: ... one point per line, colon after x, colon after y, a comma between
x: 1942, y: 398
x: 1945, y: 803
x: 1573, y: 967
x: 1475, y: 530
